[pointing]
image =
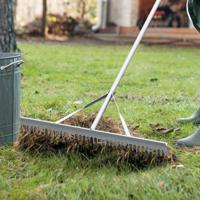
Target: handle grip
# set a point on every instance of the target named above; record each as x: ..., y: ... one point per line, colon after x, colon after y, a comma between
x: 18, y: 63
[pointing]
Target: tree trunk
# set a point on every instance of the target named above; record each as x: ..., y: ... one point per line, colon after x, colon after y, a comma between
x: 44, y: 18
x: 15, y: 11
x: 7, y: 33
x: 82, y: 5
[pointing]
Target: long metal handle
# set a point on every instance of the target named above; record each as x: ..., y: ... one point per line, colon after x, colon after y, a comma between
x: 18, y: 62
x: 125, y: 65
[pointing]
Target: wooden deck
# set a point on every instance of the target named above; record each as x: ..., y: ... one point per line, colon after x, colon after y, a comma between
x: 174, y: 36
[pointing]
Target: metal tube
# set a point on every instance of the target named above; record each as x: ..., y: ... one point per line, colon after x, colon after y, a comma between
x: 125, y: 65
x: 102, y: 15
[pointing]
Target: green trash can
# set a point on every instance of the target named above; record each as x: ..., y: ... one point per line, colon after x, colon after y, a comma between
x: 10, y: 76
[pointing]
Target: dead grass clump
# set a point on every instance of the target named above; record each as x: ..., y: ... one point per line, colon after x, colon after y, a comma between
x: 107, y: 124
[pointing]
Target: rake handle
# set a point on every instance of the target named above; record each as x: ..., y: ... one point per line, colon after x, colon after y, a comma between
x: 125, y: 65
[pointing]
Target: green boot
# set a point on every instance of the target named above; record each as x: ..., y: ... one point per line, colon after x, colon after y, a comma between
x: 191, y: 141
x: 195, y: 118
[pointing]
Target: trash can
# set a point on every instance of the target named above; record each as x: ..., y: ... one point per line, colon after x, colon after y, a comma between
x: 10, y: 76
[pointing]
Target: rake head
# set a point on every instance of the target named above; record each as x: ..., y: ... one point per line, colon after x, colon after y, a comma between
x: 41, y: 136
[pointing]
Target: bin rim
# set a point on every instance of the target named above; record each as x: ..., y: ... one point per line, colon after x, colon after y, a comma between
x: 4, y: 56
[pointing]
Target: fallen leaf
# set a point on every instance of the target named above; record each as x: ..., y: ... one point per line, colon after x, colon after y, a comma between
x: 158, y: 129
x: 164, y: 130
x: 160, y: 184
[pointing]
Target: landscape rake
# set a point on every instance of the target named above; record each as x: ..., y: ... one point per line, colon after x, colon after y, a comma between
x: 92, y: 141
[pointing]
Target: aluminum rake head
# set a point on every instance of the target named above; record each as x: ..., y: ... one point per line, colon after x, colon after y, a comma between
x: 77, y: 139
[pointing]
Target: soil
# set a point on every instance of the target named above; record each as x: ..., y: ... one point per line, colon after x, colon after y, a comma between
x: 85, y: 40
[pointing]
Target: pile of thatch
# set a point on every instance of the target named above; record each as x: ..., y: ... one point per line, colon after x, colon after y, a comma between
x: 37, y: 141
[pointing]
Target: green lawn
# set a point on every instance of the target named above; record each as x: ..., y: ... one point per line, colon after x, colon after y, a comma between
x: 161, y: 84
